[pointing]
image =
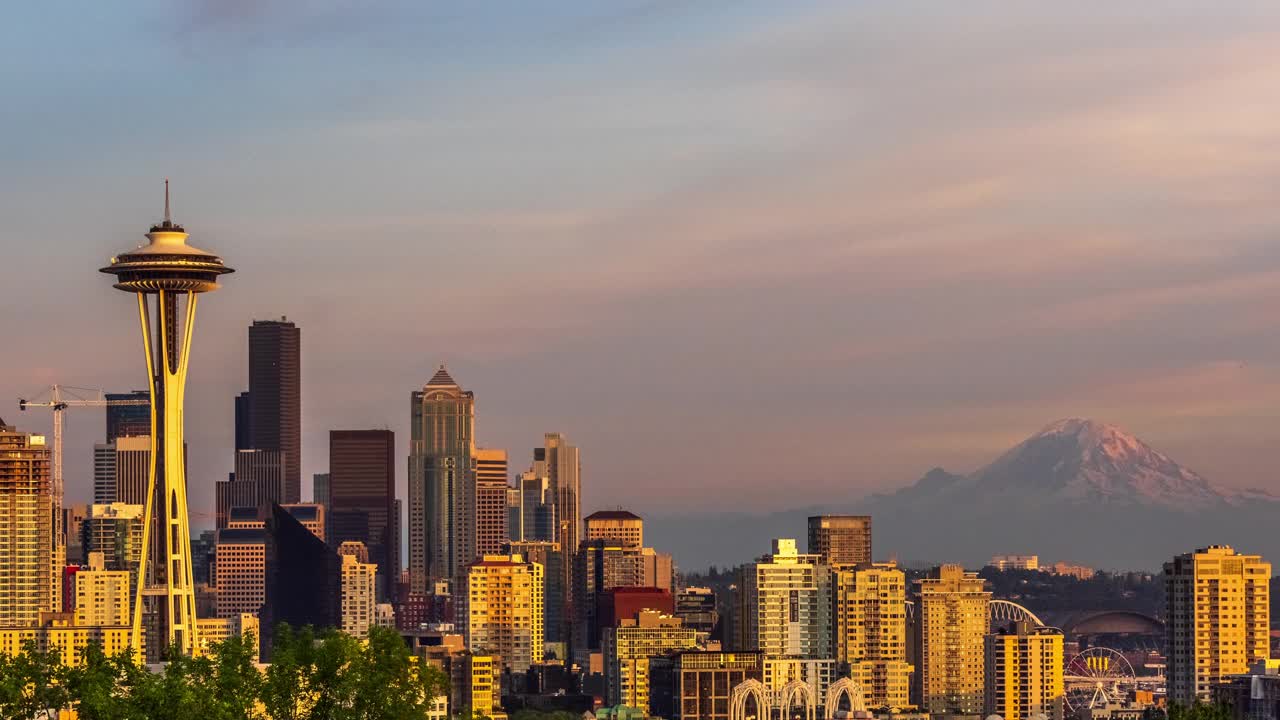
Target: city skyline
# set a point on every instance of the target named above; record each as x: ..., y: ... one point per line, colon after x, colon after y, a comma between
x: 1126, y: 283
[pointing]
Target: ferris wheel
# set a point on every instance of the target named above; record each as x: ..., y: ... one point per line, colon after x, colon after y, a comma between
x: 1096, y: 677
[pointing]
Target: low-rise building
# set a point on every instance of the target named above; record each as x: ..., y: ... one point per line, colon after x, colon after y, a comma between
x: 698, y: 685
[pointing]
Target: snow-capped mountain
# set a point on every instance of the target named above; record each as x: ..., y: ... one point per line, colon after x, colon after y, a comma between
x: 1090, y: 462
x: 1078, y: 491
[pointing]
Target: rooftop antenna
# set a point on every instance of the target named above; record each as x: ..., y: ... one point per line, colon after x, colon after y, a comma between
x: 167, y: 220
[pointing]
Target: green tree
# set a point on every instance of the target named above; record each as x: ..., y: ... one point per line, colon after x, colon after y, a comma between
x: 105, y: 687
x: 33, y: 684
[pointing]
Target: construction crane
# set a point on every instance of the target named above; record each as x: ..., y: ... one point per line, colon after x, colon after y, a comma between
x: 59, y: 398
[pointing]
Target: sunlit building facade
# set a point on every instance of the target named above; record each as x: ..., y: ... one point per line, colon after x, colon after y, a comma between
x: 870, y: 626
x: 500, y: 610
x: 952, y: 609
x: 784, y: 607
x: 1023, y: 673
x: 29, y: 578
x: 1217, y: 619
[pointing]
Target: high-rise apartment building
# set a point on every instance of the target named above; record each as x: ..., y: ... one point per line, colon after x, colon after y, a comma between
x: 622, y: 527
x: 359, y: 598
x: 127, y: 420
x: 1023, y: 673
x: 29, y: 579
x: 491, y: 500
x: 275, y: 397
x: 362, y: 498
x: 784, y: 604
x: 870, y: 625
x: 500, y: 610
x: 840, y: 539
x: 952, y: 610
x: 628, y: 647
x: 102, y: 597
x: 441, y: 482
x: 1217, y: 618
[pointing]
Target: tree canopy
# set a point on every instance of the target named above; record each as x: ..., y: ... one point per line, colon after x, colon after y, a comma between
x: 313, y: 676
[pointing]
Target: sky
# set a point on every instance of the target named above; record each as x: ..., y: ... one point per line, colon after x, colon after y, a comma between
x: 748, y: 255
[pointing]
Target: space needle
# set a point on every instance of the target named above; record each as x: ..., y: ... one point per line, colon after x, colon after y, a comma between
x: 172, y: 273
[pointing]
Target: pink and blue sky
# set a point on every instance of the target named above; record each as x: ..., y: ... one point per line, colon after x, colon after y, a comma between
x: 746, y: 254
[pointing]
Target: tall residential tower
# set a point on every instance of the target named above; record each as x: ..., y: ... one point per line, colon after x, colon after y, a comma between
x: 1217, y: 618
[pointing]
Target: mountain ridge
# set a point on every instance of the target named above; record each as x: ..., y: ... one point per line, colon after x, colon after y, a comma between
x: 1077, y: 490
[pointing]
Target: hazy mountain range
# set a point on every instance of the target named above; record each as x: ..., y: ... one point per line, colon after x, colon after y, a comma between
x: 1078, y: 490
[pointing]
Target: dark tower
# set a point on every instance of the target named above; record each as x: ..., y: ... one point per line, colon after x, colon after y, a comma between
x: 244, y: 437
x: 362, y: 498
x: 275, y: 401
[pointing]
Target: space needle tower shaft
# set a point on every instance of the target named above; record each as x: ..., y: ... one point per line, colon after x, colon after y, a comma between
x: 167, y: 275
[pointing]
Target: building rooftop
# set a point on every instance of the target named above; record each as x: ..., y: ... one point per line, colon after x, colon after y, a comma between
x: 613, y: 515
x: 441, y: 377
x: 242, y: 536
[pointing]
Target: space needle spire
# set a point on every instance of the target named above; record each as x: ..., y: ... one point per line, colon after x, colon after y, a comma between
x: 167, y: 275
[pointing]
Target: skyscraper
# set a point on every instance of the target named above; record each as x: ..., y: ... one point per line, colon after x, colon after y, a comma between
x: 303, y: 577
x: 441, y: 482
x: 1217, y: 618
x: 258, y: 481
x: 128, y: 420
x: 275, y: 397
x: 784, y: 604
x: 561, y: 463
x: 121, y: 469
x: 1023, y: 676
x: 244, y: 413
x: 361, y: 497
x: 28, y: 577
x: 491, y: 500
x: 534, y: 510
x: 172, y: 271
x: 951, y: 620
x: 841, y: 539
x: 870, y: 624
